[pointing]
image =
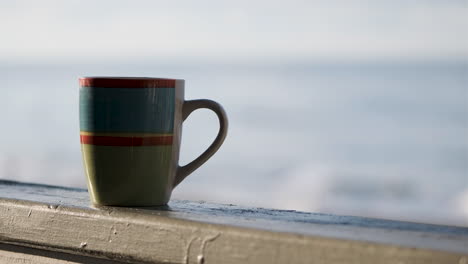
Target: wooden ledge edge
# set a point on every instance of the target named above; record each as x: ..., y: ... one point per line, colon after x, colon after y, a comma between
x: 127, y: 236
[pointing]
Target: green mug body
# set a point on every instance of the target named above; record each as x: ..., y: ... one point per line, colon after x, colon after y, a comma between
x: 130, y: 138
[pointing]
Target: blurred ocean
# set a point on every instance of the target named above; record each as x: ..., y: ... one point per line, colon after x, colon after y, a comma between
x: 379, y: 139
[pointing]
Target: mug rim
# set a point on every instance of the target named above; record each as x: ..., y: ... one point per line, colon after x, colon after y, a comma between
x: 127, y: 82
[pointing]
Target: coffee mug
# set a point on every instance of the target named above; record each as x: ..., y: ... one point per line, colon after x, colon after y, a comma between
x: 130, y: 133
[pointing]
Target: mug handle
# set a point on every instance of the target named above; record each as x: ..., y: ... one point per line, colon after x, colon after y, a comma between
x: 187, y: 109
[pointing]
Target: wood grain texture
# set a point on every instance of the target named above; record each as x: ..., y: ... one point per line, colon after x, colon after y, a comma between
x: 61, y: 220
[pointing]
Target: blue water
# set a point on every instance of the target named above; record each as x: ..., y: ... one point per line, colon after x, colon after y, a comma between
x: 376, y: 139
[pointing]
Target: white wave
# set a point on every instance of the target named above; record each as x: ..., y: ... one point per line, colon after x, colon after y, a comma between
x: 303, y: 188
x: 461, y: 203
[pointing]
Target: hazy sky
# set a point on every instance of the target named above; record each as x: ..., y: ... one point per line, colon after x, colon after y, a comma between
x: 62, y: 30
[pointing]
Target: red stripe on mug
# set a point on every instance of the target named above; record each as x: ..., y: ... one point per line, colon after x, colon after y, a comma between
x: 120, y: 82
x: 125, y: 141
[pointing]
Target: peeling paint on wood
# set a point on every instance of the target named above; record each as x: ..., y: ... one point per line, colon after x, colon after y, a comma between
x: 61, y: 220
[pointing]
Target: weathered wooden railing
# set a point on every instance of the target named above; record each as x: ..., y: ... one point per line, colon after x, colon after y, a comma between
x: 46, y: 224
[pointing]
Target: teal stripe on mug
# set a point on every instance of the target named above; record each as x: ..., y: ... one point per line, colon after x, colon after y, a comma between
x: 144, y: 110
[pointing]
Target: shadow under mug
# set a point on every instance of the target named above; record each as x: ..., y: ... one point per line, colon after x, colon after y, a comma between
x: 130, y: 133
